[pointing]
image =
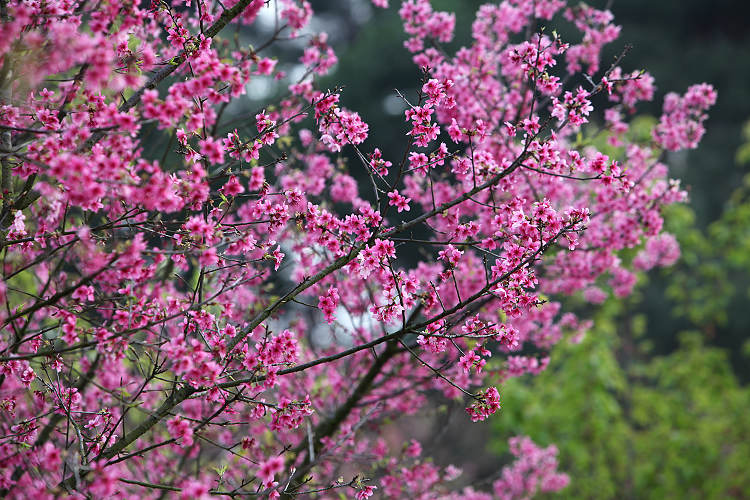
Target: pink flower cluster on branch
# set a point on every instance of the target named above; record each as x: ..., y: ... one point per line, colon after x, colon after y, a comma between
x: 194, y: 305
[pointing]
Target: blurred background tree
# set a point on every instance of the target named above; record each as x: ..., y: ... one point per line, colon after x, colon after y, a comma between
x: 711, y: 284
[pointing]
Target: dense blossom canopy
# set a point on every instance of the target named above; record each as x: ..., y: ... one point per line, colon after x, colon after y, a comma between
x: 237, y: 313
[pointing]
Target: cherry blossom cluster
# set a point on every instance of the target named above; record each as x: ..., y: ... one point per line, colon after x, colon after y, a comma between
x: 200, y: 300
x: 681, y: 124
x: 535, y: 469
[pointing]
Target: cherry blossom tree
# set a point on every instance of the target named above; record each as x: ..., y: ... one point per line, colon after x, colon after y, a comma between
x: 230, y: 312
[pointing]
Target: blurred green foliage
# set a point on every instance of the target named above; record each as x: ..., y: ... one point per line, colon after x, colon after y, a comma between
x: 711, y: 284
x: 631, y: 426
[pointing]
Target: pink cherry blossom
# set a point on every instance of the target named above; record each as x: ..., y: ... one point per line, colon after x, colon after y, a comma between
x: 166, y: 250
